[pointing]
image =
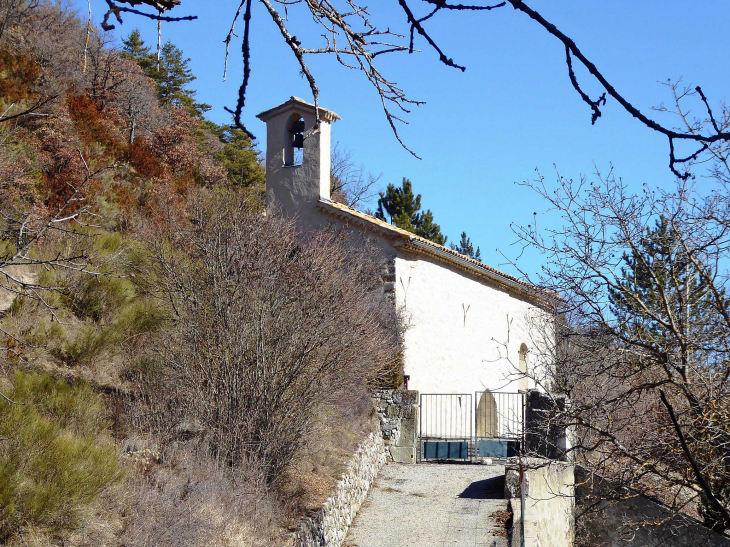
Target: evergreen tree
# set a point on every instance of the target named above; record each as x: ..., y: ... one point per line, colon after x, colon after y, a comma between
x: 662, y: 289
x: 427, y: 228
x: 172, y: 76
x: 465, y: 247
x: 133, y: 47
x: 400, y: 204
x: 659, y: 270
x: 402, y: 207
x: 238, y: 156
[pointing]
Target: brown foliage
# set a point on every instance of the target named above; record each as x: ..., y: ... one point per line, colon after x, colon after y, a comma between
x: 93, y: 126
x: 17, y: 70
x: 63, y: 173
x: 143, y: 160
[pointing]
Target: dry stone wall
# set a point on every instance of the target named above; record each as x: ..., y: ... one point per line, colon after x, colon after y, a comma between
x: 329, y: 526
x: 398, y: 415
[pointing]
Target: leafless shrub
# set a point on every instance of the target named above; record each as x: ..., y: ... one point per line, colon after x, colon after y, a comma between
x: 185, y: 498
x: 645, y: 342
x: 269, y: 327
x: 349, y: 183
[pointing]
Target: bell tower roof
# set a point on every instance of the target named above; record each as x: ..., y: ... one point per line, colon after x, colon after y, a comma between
x: 295, y: 103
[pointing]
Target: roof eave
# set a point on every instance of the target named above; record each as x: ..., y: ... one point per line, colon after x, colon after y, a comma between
x: 408, y: 241
x: 534, y: 293
x: 331, y: 209
x: 296, y: 102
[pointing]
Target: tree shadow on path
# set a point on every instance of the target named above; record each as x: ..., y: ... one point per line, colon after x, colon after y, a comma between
x: 487, y: 489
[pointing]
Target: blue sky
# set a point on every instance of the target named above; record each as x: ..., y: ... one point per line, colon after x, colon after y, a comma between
x: 483, y: 130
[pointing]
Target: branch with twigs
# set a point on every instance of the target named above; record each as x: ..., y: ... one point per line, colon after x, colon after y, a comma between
x: 116, y: 10
x: 28, y: 230
x: 30, y: 111
x: 356, y: 42
x: 646, y: 333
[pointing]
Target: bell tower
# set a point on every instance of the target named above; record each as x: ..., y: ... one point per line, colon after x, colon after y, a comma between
x: 297, y: 158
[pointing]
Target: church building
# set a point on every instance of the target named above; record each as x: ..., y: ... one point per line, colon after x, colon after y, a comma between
x: 471, y: 328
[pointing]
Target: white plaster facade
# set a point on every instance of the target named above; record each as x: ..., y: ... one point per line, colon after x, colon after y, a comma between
x: 467, y: 321
x: 464, y: 335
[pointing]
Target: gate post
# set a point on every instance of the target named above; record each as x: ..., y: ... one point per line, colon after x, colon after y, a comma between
x: 544, y: 436
x: 398, y: 415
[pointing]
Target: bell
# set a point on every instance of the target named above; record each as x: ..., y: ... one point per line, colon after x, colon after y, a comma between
x: 297, y: 127
x: 298, y: 140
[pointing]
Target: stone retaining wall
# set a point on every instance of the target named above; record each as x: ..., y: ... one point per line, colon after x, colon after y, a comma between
x: 329, y: 526
x: 548, y: 517
x: 398, y: 415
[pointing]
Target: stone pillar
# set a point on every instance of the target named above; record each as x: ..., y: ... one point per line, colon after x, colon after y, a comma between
x: 398, y: 415
x: 544, y: 437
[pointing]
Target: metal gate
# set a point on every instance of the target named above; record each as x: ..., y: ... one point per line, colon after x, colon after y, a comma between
x: 499, y: 424
x: 459, y: 426
x: 445, y: 426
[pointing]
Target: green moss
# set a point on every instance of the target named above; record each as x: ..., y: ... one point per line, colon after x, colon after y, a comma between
x: 54, y: 457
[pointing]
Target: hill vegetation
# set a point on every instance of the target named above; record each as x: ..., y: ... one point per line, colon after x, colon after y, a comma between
x: 176, y: 368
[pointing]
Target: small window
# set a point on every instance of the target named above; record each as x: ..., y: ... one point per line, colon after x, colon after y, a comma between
x: 294, y: 141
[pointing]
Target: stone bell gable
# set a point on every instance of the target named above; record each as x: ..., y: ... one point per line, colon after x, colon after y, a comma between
x: 298, y: 158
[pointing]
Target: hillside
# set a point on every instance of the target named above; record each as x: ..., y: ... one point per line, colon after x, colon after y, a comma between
x: 159, y: 386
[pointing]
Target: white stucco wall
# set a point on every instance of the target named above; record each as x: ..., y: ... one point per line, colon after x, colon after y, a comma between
x: 464, y: 334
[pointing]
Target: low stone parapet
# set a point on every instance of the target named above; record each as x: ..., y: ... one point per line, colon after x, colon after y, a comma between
x: 548, y: 490
x: 329, y: 526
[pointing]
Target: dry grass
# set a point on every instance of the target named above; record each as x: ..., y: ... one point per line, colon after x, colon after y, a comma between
x: 312, y: 477
x: 187, y: 499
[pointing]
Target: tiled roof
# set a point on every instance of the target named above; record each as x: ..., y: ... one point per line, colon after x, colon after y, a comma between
x: 418, y: 244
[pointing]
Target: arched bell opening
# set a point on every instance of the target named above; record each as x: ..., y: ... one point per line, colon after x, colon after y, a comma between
x: 294, y: 141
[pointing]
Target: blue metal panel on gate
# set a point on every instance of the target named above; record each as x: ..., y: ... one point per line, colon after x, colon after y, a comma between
x: 493, y: 448
x: 445, y: 450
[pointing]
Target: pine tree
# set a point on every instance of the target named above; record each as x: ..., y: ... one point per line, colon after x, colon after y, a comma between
x: 238, y: 156
x: 659, y: 271
x: 172, y: 76
x: 402, y: 207
x: 662, y: 288
x: 465, y: 247
x: 133, y: 47
x: 400, y: 204
x: 427, y: 228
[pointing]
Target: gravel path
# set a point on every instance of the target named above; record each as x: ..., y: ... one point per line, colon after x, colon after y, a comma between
x: 432, y: 505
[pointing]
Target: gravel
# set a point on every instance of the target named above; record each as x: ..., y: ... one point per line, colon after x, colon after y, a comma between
x: 433, y: 505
